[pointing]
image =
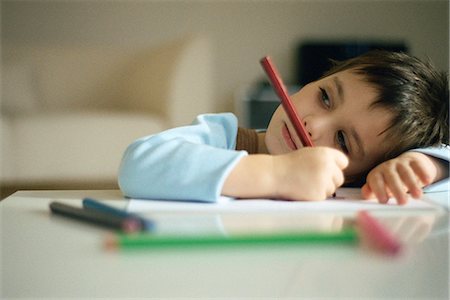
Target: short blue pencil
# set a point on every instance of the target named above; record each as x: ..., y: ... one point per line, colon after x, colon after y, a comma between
x: 92, y: 204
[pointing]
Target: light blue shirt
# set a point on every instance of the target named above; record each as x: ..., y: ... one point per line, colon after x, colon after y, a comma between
x: 192, y: 162
x: 184, y: 163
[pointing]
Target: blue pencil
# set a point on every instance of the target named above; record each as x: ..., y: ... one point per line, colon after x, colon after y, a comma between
x: 91, y: 204
x: 128, y: 225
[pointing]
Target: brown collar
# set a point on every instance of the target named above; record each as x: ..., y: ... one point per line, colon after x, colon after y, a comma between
x: 247, y: 139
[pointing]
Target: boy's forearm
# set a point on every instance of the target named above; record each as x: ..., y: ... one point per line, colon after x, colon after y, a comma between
x: 252, y: 177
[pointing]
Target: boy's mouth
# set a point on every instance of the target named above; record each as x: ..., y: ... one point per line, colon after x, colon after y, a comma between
x: 288, y: 138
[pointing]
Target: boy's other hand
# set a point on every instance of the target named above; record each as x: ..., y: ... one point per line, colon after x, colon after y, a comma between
x: 407, y: 173
x: 311, y: 173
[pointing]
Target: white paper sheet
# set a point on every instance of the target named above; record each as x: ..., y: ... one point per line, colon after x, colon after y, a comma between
x: 347, y: 200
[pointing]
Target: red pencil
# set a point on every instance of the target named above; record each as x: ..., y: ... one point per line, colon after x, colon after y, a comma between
x: 286, y: 101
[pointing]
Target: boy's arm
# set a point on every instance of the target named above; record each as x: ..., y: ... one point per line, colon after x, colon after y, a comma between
x: 185, y: 163
x: 305, y: 174
x: 409, y: 172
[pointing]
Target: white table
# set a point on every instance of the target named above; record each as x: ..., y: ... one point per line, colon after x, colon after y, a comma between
x: 48, y: 256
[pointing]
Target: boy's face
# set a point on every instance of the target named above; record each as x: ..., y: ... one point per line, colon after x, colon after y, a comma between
x: 336, y: 112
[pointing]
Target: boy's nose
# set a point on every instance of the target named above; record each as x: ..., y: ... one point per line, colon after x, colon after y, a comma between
x: 307, y: 129
x: 316, y: 129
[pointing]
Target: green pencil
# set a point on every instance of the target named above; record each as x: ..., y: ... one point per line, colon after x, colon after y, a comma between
x: 146, y: 241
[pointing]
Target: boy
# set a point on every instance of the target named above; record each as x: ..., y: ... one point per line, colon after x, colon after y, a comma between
x: 364, y: 114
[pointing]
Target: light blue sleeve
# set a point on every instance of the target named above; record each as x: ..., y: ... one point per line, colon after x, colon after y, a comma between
x: 443, y: 153
x: 185, y: 163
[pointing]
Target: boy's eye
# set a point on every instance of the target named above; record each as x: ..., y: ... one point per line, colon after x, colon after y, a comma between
x: 324, y: 98
x: 340, y: 137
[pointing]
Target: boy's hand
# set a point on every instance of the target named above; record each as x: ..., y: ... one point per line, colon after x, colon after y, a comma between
x: 309, y: 173
x: 408, y: 172
x: 304, y: 174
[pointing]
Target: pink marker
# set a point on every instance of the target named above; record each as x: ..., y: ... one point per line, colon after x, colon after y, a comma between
x: 378, y: 236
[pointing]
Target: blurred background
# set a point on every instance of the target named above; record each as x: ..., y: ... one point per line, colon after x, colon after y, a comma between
x: 83, y: 79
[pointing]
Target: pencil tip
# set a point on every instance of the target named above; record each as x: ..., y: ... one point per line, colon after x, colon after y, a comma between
x: 110, y: 242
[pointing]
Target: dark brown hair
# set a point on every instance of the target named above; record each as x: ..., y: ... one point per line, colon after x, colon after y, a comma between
x: 413, y: 90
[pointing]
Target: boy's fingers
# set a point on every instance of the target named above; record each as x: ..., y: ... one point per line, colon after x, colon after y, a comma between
x: 410, y: 180
x: 395, y: 185
x: 420, y: 172
x: 367, y: 192
x: 341, y: 160
x: 378, y: 187
x: 338, y: 178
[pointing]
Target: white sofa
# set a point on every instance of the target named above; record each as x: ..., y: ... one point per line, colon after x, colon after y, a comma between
x: 68, y: 112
